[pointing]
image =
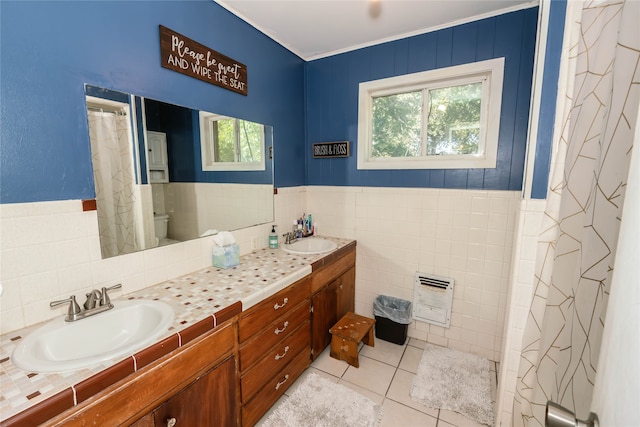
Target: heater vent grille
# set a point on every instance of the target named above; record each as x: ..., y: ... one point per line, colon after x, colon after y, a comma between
x: 432, y: 299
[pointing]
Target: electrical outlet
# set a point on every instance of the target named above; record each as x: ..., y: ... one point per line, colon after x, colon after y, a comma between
x: 254, y: 243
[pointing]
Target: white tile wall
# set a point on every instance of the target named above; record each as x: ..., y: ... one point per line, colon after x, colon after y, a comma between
x: 50, y: 250
x: 466, y: 235
x: 519, y: 301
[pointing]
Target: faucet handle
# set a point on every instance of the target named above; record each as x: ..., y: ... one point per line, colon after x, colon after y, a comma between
x: 74, y: 308
x: 105, y: 300
x: 93, y: 298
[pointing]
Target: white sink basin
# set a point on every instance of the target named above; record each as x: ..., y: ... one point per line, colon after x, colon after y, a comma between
x: 62, y: 346
x: 310, y: 246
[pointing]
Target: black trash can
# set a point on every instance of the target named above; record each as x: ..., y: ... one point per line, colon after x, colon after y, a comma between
x: 393, y: 316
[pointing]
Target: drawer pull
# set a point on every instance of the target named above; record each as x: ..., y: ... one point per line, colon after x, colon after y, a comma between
x: 171, y: 422
x: 278, y: 357
x: 284, y: 328
x: 276, y: 306
x: 281, y: 383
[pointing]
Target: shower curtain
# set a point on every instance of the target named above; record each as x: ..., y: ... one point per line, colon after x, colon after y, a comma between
x: 114, y: 181
x: 576, y: 245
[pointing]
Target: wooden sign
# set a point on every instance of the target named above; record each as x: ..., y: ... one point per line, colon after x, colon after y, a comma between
x: 331, y: 149
x: 181, y: 54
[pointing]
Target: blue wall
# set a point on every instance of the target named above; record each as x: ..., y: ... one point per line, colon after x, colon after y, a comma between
x: 332, y: 100
x: 51, y: 49
x: 546, y: 120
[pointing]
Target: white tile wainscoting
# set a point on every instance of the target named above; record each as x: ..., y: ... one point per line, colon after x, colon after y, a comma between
x: 463, y: 234
x: 529, y: 220
x: 50, y: 250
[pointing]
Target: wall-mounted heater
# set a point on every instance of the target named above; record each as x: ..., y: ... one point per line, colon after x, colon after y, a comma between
x: 432, y: 299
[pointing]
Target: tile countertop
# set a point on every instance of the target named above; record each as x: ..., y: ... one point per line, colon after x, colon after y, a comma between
x: 201, y: 300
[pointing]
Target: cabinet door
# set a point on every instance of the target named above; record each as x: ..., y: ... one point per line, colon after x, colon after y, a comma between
x: 346, y: 292
x: 209, y: 401
x: 323, y: 317
x: 146, y: 421
x: 157, y: 145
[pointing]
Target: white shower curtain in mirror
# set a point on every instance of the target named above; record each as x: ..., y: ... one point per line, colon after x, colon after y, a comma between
x: 576, y: 245
x: 112, y: 160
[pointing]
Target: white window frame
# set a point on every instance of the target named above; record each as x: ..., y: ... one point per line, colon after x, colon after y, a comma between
x: 206, y: 147
x: 490, y: 72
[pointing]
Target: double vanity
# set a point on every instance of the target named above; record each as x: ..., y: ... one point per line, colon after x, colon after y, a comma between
x: 237, y: 340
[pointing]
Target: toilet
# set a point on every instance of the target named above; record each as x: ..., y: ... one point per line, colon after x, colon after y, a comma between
x: 160, y: 225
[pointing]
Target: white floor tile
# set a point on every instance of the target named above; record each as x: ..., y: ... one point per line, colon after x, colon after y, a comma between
x: 371, y: 375
x: 384, y: 351
x: 395, y: 415
x: 400, y: 389
x: 328, y: 364
x: 458, y: 420
x: 411, y: 359
x: 417, y: 343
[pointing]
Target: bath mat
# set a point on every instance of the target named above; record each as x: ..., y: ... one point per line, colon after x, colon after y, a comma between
x: 456, y: 381
x: 322, y: 403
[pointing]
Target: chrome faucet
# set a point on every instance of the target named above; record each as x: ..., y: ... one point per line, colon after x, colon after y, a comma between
x: 290, y: 237
x: 93, y: 298
x: 97, y: 302
x: 74, y: 308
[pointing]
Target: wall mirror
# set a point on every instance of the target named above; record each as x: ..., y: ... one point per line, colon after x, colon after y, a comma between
x: 151, y: 187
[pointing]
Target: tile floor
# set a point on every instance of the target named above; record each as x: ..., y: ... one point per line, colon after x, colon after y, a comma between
x: 385, y: 375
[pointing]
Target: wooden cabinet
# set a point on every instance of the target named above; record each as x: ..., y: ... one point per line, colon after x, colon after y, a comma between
x: 346, y: 292
x: 232, y: 375
x: 196, y: 383
x: 274, y: 338
x: 323, y: 317
x: 208, y: 401
x: 333, y: 289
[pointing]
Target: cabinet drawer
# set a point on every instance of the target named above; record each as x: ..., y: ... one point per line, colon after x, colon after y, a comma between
x: 271, y: 308
x: 255, y: 349
x: 329, y: 272
x: 265, y: 398
x: 274, y: 360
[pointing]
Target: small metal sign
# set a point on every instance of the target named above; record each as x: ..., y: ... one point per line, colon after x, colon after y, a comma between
x: 186, y: 56
x: 323, y: 150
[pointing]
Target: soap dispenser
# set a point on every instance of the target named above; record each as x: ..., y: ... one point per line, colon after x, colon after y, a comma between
x: 273, y: 238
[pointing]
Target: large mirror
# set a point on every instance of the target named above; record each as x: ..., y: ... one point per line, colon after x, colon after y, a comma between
x: 166, y: 173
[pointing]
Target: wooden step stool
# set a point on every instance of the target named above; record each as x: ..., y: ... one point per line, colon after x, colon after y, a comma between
x: 347, y: 333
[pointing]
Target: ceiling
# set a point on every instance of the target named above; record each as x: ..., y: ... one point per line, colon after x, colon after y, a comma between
x: 314, y: 29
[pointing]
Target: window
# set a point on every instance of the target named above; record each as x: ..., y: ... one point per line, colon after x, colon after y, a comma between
x: 447, y: 118
x: 230, y: 144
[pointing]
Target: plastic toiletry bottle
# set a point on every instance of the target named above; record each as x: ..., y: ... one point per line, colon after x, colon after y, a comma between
x: 273, y: 238
x: 309, y: 225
